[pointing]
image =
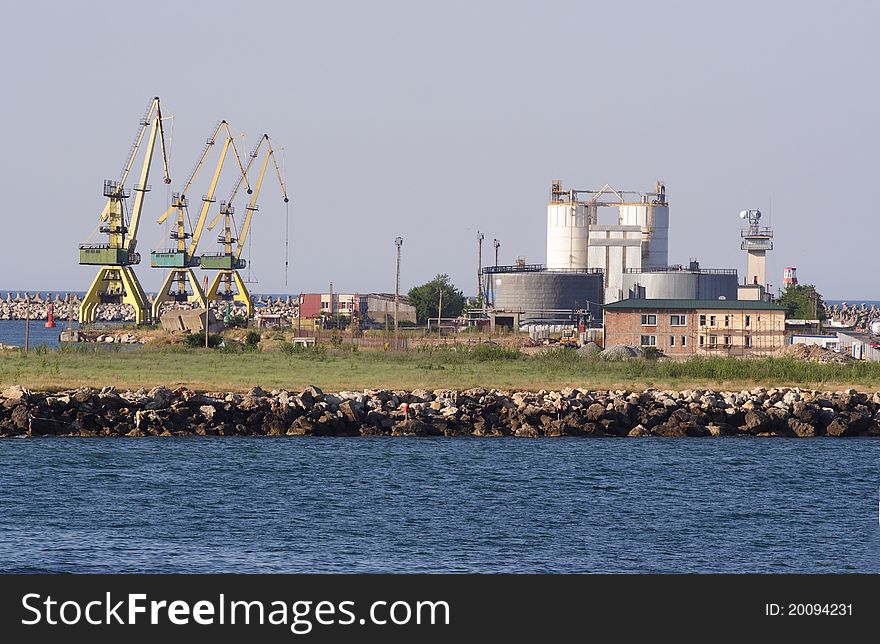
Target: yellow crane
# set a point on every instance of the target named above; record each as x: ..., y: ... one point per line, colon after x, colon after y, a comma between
x: 116, y: 281
x: 228, y: 262
x: 183, y: 258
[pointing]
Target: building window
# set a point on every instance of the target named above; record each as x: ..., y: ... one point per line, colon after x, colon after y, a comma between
x: 702, y: 320
x: 649, y: 340
x: 747, y: 341
x: 684, y: 340
x: 713, y: 341
x: 671, y: 340
x: 678, y: 320
x: 649, y: 319
x: 726, y: 340
x: 702, y: 340
x: 325, y: 305
x: 712, y: 320
x: 748, y: 320
x: 726, y: 320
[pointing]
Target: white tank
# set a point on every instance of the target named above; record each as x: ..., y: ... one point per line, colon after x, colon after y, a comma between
x: 568, y: 233
x: 875, y: 327
x: 653, y: 219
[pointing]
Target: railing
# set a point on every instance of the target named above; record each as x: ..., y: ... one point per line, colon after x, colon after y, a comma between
x: 538, y: 268
x: 682, y: 269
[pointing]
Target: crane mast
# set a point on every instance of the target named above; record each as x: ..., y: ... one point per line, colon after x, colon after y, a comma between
x: 228, y: 262
x: 183, y: 258
x: 116, y: 281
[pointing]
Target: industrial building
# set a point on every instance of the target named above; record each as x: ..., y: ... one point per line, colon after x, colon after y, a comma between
x: 374, y: 308
x: 684, y: 328
x: 577, y: 240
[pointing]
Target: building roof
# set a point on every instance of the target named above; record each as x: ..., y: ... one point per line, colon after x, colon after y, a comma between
x: 727, y: 305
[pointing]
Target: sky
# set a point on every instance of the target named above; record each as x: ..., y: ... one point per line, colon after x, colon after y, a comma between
x: 434, y: 120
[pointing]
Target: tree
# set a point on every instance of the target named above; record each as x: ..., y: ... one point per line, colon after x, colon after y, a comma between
x: 802, y: 302
x: 426, y: 299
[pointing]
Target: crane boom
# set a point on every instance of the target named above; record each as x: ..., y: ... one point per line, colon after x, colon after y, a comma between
x: 252, y: 206
x: 142, y: 188
x: 208, y: 199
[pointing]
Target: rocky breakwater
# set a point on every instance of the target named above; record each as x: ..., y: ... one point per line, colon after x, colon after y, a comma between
x: 473, y: 412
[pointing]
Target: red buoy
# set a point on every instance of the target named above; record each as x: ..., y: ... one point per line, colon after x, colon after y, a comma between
x: 50, y: 316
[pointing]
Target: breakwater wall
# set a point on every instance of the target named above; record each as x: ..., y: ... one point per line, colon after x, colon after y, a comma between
x: 475, y: 412
x: 15, y: 306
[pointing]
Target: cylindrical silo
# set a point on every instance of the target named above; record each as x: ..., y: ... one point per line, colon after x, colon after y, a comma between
x: 568, y: 232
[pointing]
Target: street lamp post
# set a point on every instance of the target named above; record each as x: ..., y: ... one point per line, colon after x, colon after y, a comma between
x: 480, y: 238
x: 398, y: 241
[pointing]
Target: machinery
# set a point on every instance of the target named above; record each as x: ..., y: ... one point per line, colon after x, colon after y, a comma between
x: 116, y: 281
x: 569, y: 339
x: 229, y: 262
x: 183, y: 258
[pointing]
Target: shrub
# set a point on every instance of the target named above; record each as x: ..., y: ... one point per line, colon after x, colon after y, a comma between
x: 310, y: 352
x: 487, y: 352
x: 196, y: 340
x: 252, y: 339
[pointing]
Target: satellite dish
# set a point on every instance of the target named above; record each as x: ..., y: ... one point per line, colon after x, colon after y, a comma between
x: 757, y: 214
x: 743, y: 214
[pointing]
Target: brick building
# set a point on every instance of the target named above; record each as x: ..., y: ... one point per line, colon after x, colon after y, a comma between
x: 375, y: 307
x: 684, y: 328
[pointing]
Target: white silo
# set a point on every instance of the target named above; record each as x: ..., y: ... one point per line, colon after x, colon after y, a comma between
x: 652, y: 216
x: 568, y: 230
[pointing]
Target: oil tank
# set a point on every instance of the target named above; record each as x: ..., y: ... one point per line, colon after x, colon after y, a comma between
x: 545, y: 294
x: 681, y: 283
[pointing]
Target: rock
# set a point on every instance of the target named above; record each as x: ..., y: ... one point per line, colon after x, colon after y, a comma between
x: 160, y: 398
x: 15, y: 393
x: 838, y: 427
x: 312, y: 395
x: 21, y: 417
x: 800, y: 428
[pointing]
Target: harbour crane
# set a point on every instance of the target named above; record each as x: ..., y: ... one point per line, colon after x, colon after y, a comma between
x: 229, y: 262
x: 183, y: 258
x: 116, y: 281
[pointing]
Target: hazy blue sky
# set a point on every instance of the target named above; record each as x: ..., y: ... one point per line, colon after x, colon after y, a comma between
x: 433, y: 120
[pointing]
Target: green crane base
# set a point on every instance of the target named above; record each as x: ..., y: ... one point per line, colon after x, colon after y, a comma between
x: 241, y: 294
x: 180, y: 276
x: 115, y: 285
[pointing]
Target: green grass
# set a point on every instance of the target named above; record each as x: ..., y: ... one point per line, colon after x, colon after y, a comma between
x: 453, y: 367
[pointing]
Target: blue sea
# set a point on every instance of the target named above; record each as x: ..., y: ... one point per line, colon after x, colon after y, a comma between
x: 439, y: 505
x: 12, y: 332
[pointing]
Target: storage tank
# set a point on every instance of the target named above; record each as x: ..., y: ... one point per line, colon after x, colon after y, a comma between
x: 652, y: 216
x: 544, y: 294
x: 681, y: 283
x: 568, y: 232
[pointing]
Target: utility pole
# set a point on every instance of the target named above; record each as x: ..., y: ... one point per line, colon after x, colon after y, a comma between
x: 439, y: 312
x: 480, y: 238
x: 27, y: 321
x: 497, y: 245
x: 299, y: 316
x: 398, y: 241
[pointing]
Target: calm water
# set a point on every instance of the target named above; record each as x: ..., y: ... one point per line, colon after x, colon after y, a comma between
x: 12, y: 332
x: 401, y: 505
